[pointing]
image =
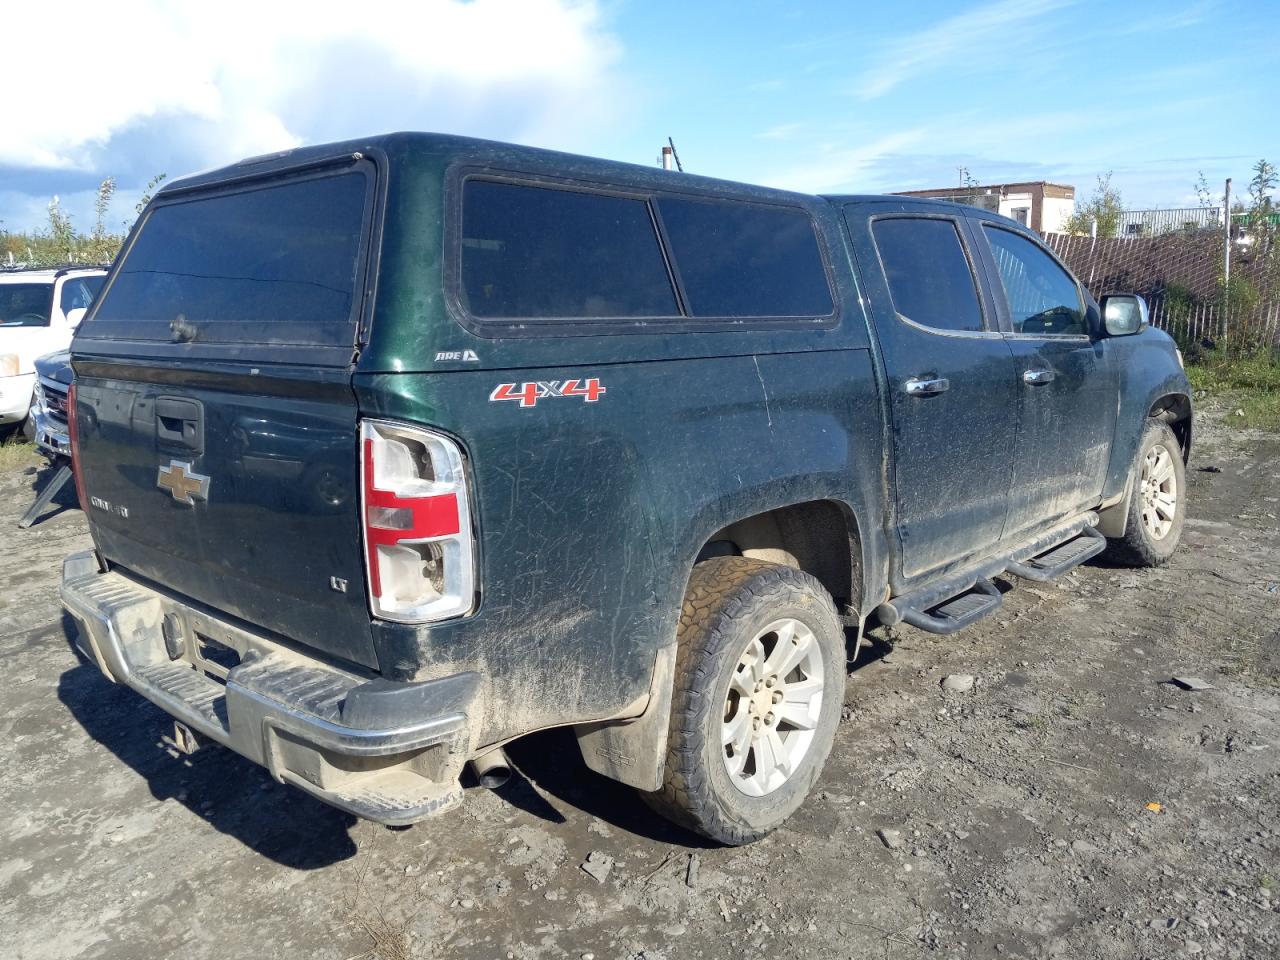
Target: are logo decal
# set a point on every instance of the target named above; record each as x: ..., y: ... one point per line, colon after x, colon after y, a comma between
x: 528, y: 394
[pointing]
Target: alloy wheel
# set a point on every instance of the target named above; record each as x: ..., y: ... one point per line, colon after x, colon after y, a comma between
x: 1158, y: 488
x: 772, y: 708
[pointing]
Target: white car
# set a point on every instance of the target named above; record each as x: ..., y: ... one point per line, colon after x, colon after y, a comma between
x: 39, y: 311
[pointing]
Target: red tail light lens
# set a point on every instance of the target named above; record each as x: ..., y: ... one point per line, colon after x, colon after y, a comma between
x: 417, y: 524
x: 73, y: 434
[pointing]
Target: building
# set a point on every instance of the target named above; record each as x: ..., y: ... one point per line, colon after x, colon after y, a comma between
x: 1044, y: 207
x: 1152, y: 223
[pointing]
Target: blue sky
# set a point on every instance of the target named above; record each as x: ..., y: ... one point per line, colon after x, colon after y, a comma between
x: 820, y: 96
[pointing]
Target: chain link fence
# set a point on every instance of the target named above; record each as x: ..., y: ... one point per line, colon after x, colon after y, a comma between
x: 1181, y: 277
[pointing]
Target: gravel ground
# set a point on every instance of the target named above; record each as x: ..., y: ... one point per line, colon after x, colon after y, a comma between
x: 1072, y: 803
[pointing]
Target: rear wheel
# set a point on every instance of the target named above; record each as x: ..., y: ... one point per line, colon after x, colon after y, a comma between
x: 760, y: 671
x: 1157, y: 503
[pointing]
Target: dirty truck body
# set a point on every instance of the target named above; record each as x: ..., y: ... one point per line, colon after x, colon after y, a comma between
x: 396, y: 450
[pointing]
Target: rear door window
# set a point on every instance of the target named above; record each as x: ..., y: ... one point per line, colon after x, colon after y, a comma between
x: 278, y: 263
x: 78, y: 293
x: 531, y: 252
x: 928, y: 272
x: 746, y: 259
x: 1043, y: 299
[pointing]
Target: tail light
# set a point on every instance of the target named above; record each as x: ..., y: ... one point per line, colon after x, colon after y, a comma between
x: 73, y: 434
x: 417, y: 524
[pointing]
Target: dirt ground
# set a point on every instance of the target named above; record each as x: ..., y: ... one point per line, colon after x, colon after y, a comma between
x: 1025, y: 809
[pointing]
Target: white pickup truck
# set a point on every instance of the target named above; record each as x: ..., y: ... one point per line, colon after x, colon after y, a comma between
x: 39, y: 311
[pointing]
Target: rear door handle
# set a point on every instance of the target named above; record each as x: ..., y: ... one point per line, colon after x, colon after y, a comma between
x: 1036, y: 377
x: 179, y: 424
x: 926, y: 387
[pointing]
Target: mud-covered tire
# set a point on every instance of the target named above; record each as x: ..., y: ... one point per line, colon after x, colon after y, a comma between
x: 729, y: 601
x: 1140, y: 546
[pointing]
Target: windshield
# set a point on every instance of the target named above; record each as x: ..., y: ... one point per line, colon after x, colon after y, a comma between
x: 25, y: 304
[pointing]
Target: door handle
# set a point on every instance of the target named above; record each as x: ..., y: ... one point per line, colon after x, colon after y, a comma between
x: 926, y: 387
x: 179, y: 424
x: 1038, y: 376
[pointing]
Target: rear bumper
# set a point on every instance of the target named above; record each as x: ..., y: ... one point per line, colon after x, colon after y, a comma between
x: 390, y: 752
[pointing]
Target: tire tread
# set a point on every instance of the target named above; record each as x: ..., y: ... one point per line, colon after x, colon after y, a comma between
x: 1134, y: 548
x: 719, y: 591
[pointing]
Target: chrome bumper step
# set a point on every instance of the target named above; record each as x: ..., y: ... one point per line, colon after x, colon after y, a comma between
x: 391, y: 752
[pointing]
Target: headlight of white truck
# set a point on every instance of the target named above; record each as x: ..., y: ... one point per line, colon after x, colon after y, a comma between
x: 9, y: 365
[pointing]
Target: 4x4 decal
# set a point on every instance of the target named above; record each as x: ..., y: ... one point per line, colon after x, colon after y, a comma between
x: 528, y: 394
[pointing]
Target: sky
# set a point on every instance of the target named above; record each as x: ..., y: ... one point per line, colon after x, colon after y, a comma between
x: 812, y: 96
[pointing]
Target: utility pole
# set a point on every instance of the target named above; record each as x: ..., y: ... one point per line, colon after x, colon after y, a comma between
x: 1226, y: 261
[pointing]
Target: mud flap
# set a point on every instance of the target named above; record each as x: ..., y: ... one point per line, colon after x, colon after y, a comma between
x: 1113, y: 519
x: 634, y: 751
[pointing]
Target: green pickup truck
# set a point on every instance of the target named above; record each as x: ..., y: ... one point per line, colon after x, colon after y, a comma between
x: 399, y: 449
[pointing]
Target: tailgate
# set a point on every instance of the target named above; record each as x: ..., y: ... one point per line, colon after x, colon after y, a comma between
x: 217, y: 425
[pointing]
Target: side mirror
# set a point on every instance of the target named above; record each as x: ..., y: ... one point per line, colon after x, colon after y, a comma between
x: 1123, y: 314
x: 75, y: 316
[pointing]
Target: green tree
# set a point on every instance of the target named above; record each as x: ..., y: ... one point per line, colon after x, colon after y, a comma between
x: 1260, y: 188
x: 1204, y: 197
x: 1264, y: 217
x: 149, y: 191
x: 1103, y: 208
x: 58, y: 241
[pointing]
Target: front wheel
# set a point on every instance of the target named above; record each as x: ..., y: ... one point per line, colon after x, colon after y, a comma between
x: 760, y: 671
x: 1157, y: 503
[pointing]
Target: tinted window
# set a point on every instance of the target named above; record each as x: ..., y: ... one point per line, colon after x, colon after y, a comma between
x: 25, y: 304
x: 1043, y: 299
x: 78, y: 293
x: 928, y: 273
x: 276, y: 264
x: 744, y: 260
x: 535, y: 252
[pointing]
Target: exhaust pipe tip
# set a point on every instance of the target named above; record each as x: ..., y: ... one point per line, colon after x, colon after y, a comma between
x: 492, y: 769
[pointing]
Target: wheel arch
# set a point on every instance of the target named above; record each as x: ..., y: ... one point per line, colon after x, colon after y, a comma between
x: 821, y: 537
x: 1175, y: 410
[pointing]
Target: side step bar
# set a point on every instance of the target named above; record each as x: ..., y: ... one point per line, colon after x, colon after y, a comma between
x: 957, y: 613
x: 956, y: 601
x: 1054, y: 563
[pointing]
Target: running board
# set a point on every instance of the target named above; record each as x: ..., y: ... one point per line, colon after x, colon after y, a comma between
x: 1065, y: 556
x: 953, y: 602
x: 972, y: 603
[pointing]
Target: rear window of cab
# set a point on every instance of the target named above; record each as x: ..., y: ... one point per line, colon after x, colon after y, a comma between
x: 546, y: 254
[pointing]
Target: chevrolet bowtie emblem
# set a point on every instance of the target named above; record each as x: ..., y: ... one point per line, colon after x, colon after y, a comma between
x: 185, y: 485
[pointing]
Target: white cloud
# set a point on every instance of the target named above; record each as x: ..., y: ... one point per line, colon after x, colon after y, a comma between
x: 238, y: 78
x: 993, y: 31
x: 783, y: 131
x: 834, y: 169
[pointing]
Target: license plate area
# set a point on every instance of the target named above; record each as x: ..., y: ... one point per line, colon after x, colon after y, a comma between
x: 213, y: 658
x: 208, y: 646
